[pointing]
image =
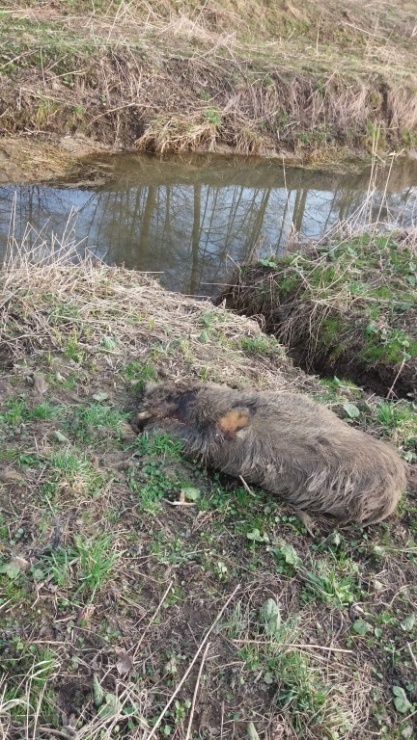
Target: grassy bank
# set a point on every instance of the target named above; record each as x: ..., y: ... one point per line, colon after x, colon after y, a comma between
x: 310, y: 81
x: 142, y: 596
x: 347, y: 307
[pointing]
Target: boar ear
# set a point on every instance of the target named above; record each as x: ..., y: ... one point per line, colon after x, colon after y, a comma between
x: 233, y: 421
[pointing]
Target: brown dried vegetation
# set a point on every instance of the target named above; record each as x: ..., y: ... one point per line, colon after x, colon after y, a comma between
x: 252, y: 78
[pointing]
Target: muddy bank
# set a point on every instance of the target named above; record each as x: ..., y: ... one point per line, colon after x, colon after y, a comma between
x: 30, y: 159
x: 284, y: 81
x: 347, y: 309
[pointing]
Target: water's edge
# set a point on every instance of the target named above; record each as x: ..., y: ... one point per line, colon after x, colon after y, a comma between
x: 189, y: 219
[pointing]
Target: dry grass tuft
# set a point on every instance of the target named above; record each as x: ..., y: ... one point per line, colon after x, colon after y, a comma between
x: 95, y: 303
x: 180, y: 133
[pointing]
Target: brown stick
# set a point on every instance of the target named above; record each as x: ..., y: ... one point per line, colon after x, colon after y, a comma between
x: 413, y: 657
x: 391, y: 390
x: 197, y: 685
x: 168, y: 589
x: 178, y: 503
x: 190, y: 667
x: 246, y: 487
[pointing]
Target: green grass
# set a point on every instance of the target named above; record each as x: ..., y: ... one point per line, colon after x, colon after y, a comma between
x: 27, y: 692
x: 94, y: 419
x: 160, y: 445
x: 266, y: 346
x: 70, y: 469
x: 309, y: 700
x: 333, y: 584
x: 138, y: 373
x: 82, y: 569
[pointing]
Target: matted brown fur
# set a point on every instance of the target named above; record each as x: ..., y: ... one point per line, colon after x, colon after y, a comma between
x: 284, y: 442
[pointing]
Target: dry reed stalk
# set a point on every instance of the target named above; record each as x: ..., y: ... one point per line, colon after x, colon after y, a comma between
x: 190, y: 667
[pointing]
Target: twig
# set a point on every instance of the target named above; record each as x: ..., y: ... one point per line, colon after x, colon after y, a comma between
x: 190, y: 667
x: 155, y: 614
x: 390, y: 392
x: 178, y: 503
x: 56, y: 733
x: 197, y: 685
x: 298, y: 646
x: 38, y: 707
x: 246, y: 487
x: 119, y: 107
x: 49, y: 642
x: 413, y: 657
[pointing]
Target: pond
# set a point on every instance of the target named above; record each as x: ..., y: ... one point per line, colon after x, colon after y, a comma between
x: 192, y: 218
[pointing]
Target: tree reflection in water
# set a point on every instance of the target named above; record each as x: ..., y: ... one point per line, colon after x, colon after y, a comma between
x: 191, y: 218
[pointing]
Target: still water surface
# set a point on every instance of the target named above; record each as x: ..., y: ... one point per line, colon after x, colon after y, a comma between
x: 191, y: 218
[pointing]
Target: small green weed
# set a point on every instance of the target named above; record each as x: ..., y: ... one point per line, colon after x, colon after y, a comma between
x: 42, y: 412
x: 63, y: 313
x: 138, y: 373
x: 302, y: 690
x: 160, y: 445
x: 15, y: 410
x: 288, y: 560
x: 212, y: 116
x: 84, y: 568
x: 74, y: 350
x: 399, y: 418
x: 75, y: 471
x: 334, y: 586
x: 169, y: 550
x: 30, y: 460
x: 154, y: 485
x: 267, y: 346
x: 91, y: 419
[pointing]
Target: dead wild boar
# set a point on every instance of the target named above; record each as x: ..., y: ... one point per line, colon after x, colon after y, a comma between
x: 284, y: 442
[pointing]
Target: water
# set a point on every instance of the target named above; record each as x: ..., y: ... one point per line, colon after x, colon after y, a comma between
x: 191, y: 218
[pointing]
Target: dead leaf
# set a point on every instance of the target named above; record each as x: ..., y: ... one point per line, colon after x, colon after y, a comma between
x: 21, y: 562
x: 100, y: 396
x: 60, y: 437
x: 39, y: 383
x: 10, y: 474
x: 252, y: 733
x: 125, y: 663
x: 84, y: 615
x: 126, y: 432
